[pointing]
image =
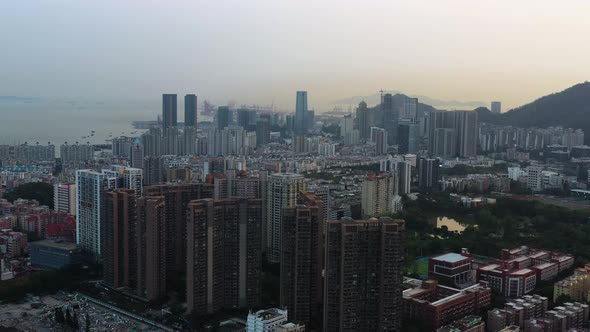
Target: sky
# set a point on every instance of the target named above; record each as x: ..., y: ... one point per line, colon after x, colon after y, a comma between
x: 263, y: 51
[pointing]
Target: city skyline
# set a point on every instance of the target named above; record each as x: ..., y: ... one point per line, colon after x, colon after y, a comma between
x: 262, y: 65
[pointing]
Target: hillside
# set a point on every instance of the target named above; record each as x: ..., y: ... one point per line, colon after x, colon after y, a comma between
x: 568, y: 108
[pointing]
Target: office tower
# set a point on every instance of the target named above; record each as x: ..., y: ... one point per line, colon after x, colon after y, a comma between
x: 467, y: 128
x: 310, y: 119
x: 118, y: 238
x: 176, y: 199
x: 390, y: 117
x: 363, y: 275
x: 190, y: 110
x: 290, y: 123
x: 152, y: 142
x: 428, y: 173
x: 301, y: 117
x: 76, y: 152
x: 404, y: 177
x: 150, y: 245
x: 64, y: 198
x: 407, y: 135
x: 379, y: 137
x: 223, y: 254
x: 136, y: 154
x: 152, y: 170
x: 410, y: 109
x: 377, y: 194
x: 281, y: 193
x: 496, y: 107
x: 363, y: 121
x: 90, y: 189
x: 170, y: 141
x: 262, y: 131
x: 224, y: 117
x: 349, y: 135
x: 244, y: 118
x: 189, y: 141
x: 169, y: 111
x: 301, y: 258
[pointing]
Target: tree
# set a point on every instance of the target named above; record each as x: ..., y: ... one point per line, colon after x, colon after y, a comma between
x: 40, y: 191
x: 59, y: 316
x: 563, y: 298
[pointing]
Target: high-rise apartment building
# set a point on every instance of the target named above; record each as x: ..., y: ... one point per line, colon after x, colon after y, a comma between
x: 534, y: 178
x: 118, y: 232
x: 496, y: 107
x: 64, y: 198
x: 153, y: 169
x: 349, y: 135
x: 76, y: 152
x: 224, y: 256
x: 176, y: 199
x: 169, y: 111
x: 428, y: 173
x: 301, y: 110
x: 302, y: 258
x: 281, y: 193
x: 190, y: 110
x: 376, y: 196
x: 152, y: 142
x: 170, y: 141
x: 453, y: 133
x: 403, y: 177
x: 136, y: 154
x: 379, y: 137
x: 150, y: 245
x: 363, y: 275
x: 189, y: 141
x: 410, y: 109
x: 90, y: 189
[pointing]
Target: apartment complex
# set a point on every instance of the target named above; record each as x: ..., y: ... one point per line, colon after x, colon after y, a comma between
x: 360, y: 253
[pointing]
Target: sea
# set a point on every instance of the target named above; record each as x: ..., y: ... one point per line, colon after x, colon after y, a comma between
x: 32, y: 120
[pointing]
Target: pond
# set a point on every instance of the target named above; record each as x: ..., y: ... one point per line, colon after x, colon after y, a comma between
x: 452, y: 224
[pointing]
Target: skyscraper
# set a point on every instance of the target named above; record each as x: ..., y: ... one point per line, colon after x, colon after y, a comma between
x: 190, y: 110
x: 363, y: 275
x: 404, y: 177
x: 428, y: 173
x: 410, y: 109
x: 349, y: 135
x: 363, y: 120
x: 64, y: 198
x: 170, y: 141
x: 152, y: 170
x: 224, y: 255
x: 189, y: 141
x: 244, y: 118
x: 118, y: 238
x: 176, y: 199
x: 224, y: 117
x: 496, y: 107
x: 376, y: 196
x: 169, y: 111
x: 282, y: 192
x: 137, y: 154
x: 262, y: 131
x: 301, y: 258
x: 390, y: 117
x: 407, y: 135
x: 453, y: 133
x: 91, y: 187
x: 150, y: 245
x: 379, y: 137
x: 301, y: 117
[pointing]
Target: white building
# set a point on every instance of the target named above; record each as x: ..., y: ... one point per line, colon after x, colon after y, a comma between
x: 64, y: 198
x: 349, y: 135
x: 266, y: 320
x: 377, y: 194
x: 534, y: 178
x: 396, y: 204
x: 281, y: 193
x: 327, y: 149
x: 91, y: 187
x: 515, y: 173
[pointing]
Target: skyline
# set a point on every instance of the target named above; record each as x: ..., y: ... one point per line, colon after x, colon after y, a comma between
x: 504, y: 51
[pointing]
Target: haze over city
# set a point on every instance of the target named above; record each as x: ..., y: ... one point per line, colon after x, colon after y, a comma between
x: 260, y: 52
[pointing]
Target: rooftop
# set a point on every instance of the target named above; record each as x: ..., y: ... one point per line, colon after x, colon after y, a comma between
x: 450, y: 258
x: 54, y: 244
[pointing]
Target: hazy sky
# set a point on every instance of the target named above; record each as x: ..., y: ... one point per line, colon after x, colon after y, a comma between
x: 252, y: 51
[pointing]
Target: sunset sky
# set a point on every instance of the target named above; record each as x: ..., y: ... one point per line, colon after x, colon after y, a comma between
x: 263, y: 51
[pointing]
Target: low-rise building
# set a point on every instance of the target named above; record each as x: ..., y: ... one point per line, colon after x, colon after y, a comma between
x: 438, y: 305
x: 451, y: 269
x: 466, y: 324
x: 576, y: 286
x: 47, y: 254
x: 266, y: 320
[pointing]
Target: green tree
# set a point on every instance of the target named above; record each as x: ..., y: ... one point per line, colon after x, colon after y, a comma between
x: 40, y: 191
